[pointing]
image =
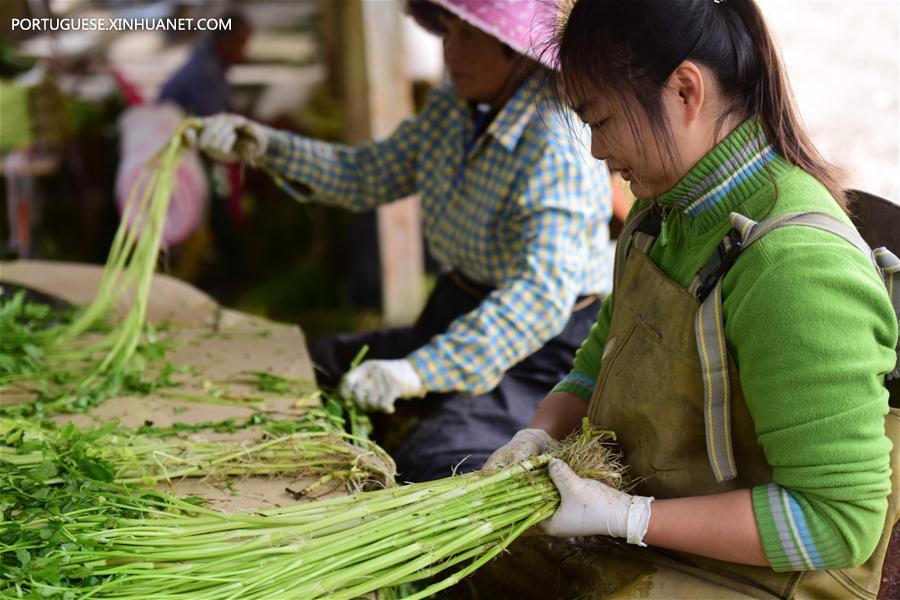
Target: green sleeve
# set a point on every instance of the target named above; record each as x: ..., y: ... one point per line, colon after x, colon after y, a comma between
x: 813, y: 332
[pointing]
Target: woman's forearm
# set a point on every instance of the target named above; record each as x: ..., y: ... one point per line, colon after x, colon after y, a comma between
x: 720, y: 526
x: 559, y: 414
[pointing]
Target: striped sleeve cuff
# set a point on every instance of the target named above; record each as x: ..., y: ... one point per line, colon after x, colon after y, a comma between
x: 787, y: 532
x: 576, y: 383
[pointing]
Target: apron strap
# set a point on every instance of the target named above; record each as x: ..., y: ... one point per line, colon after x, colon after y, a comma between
x: 626, y: 237
x: 751, y: 231
x: 709, y: 326
x: 643, y: 241
x: 717, y: 265
x: 890, y: 270
x: 709, y: 329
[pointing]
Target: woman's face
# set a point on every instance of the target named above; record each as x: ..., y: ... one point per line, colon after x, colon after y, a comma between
x: 624, y: 138
x: 478, y: 64
x: 623, y: 135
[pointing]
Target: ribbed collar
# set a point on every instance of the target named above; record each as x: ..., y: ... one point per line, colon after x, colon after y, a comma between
x: 736, y: 168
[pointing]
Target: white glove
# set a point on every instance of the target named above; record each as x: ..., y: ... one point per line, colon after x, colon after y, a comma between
x: 527, y: 442
x: 230, y: 138
x: 376, y: 384
x: 589, y: 507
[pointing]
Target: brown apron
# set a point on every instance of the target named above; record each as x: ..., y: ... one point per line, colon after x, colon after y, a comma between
x: 671, y: 393
x: 697, y: 438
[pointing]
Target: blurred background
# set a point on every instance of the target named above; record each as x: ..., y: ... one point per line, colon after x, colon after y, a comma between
x: 341, y: 70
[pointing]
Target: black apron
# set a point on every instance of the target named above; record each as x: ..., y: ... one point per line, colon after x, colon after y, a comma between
x: 457, y: 432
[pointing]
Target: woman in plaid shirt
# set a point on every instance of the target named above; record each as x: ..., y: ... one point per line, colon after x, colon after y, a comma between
x: 512, y: 206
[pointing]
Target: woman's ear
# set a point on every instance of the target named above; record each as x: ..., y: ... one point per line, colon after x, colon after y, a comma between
x: 687, y: 84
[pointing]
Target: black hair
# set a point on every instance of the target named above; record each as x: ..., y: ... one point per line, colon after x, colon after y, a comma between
x: 631, y: 47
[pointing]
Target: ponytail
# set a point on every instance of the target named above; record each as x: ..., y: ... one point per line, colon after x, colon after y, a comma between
x: 769, y: 95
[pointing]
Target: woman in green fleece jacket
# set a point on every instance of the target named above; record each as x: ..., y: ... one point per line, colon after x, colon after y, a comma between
x: 743, y: 378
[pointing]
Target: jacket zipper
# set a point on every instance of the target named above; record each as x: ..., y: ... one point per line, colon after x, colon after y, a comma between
x: 664, y: 227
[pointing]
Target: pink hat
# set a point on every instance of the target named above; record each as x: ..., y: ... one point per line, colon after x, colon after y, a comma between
x: 523, y: 25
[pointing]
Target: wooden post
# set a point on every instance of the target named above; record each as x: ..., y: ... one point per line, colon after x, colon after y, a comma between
x: 378, y: 96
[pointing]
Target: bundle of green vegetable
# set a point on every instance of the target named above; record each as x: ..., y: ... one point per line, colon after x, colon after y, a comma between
x: 82, y: 361
x: 112, y: 453
x: 335, y: 548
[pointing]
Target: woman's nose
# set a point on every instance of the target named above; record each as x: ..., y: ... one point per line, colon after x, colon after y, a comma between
x: 598, y: 149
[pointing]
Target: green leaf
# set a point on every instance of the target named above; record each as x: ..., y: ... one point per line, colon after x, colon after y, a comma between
x: 333, y: 406
x: 95, y: 469
x: 33, y: 351
x: 24, y: 557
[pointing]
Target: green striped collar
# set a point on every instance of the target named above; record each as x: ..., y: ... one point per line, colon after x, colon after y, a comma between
x: 735, y: 169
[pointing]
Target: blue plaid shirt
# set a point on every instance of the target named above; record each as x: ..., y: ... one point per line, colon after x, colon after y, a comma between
x: 525, y: 210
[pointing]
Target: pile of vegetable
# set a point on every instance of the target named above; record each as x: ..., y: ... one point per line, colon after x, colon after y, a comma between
x: 157, y: 546
x: 114, y: 454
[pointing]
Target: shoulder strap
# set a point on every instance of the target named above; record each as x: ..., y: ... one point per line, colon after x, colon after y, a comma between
x: 709, y: 326
x: 638, y: 227
x: 890, y: 269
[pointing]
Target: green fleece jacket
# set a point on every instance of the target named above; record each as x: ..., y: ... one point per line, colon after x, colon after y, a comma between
x: 811, y: 328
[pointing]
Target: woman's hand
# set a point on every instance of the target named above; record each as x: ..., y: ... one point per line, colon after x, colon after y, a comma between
x: 230, y: 138
x: 589, y: 507
x: 527, y: 442
x: 558, y: 415
x: 376, y: 384
x: 720, y: 526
